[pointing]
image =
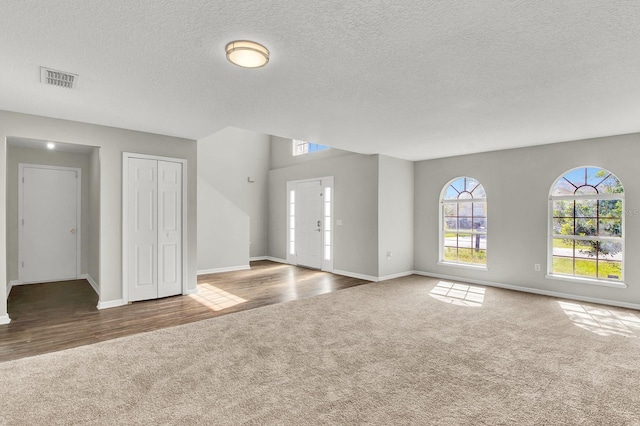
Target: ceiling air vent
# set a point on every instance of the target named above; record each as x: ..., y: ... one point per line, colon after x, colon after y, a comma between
x: 58, y: 78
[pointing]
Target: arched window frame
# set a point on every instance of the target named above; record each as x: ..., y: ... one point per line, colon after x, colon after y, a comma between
x: 477, y: 235
x: 597, y: 237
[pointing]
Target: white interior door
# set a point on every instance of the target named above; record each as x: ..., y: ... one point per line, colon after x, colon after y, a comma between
x: 49, y: 223
x: 169, y: 228
x: 308, y: 227
x: 154, y: 222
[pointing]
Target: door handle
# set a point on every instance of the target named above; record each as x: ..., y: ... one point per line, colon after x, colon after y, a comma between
x: 72, y: 230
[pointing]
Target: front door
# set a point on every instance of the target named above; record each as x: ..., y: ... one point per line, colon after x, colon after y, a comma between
x: 308, y: 223
x: 49, y: 223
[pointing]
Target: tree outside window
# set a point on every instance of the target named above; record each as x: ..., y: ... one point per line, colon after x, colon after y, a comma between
x: 464, y: 222
x: 586, y: 232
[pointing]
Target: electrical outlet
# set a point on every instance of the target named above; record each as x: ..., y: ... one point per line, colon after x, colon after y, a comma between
x: 389, y: 254
x: 536, y: 267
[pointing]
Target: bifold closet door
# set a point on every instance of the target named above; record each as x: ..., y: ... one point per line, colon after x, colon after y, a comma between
x: 155, y: 229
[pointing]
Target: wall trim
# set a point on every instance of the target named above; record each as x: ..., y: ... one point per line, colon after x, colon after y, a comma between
x: 4, y: 319
x: 10, y: 285
x: 258, y: 258
x: 356, y: 275
x: 18, y: 282
x: 110, y: 304
x: 276, y: 259
x: 191, y: 291
x: 398, y: 275
x: 534, y: 291
x: 225, y: 269
x: 93, y: 283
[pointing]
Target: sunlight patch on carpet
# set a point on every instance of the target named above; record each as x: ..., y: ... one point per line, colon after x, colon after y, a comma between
x: 214, y: 298
x: 458, y: 294
x: 601, y: 321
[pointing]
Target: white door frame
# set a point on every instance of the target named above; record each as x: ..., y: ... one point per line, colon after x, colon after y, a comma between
x: 21, y: 167
x: 125, y: 220
x: 327, y: 182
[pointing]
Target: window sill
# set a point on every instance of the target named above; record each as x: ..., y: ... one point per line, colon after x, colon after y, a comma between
x: 589, y: 281
x: 464, y: 265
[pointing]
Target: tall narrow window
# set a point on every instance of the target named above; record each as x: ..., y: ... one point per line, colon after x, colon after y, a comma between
x: 586, y: 229
x: 292, y: 222
x: 327, y: 223
x: 463, y: 230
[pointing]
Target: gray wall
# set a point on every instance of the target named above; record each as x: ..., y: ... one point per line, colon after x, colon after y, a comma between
x: 94, y: 215
x: 232, y: 211
x: 356, y: 204
x: 517, y: 183
x: 395, y: 216
x: 17, y: 155
x: 112, y: 142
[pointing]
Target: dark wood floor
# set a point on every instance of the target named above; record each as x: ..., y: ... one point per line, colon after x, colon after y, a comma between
x: 55, y: 316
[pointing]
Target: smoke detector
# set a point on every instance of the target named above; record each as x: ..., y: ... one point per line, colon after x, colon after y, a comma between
x: 58, y: 78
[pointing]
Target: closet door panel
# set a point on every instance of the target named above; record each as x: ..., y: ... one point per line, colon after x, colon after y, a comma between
x: 142, y: 250
x: 169, y: 228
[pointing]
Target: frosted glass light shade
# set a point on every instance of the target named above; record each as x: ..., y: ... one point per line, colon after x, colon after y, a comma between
x: 247, y: 54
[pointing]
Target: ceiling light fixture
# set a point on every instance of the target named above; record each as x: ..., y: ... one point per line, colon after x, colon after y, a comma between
x: 51, y: 145
x: 247, y: 54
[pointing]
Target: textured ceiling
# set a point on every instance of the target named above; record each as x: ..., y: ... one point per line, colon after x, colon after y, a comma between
x: 413, y: 79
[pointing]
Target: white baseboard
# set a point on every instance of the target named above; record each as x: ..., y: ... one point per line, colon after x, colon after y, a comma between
x: 10, y: 285
x: 191, y: 291
x: 110, y: 304
x: 398, y: 275
x: 93, y: 283
x: 534, y: 291
x: 4, y: 319
x: 276, y: 259
x: 258, y: 258
x: 18, y: 282
x: 225, y: 269
x: 356, y: 275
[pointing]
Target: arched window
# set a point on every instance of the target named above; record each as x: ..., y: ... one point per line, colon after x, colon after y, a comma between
x: 586, y: 228
x: 463, y: 228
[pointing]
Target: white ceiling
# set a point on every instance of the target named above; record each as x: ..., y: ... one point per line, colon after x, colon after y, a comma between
x: 413, y: 79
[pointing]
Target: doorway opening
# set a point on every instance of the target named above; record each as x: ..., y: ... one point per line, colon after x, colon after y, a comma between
x: 310, y: 223
x: 53, y: 213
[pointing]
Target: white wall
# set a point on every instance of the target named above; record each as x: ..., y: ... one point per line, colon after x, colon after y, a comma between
x: 17, y: 155
x: 112, y: 142
x: 395, y: 216
x: 517, y: 183
x: 233, y: 211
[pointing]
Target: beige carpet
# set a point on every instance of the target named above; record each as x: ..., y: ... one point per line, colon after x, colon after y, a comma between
x: 409, y: 351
